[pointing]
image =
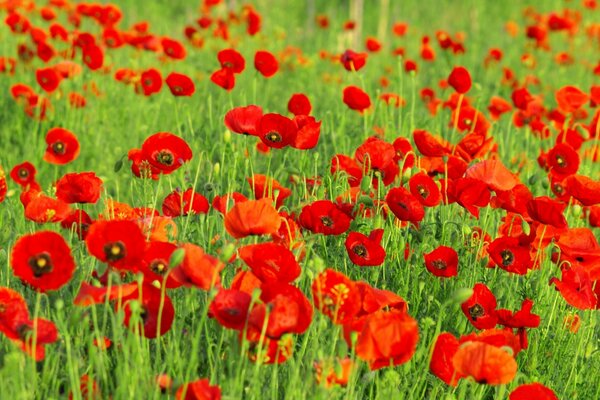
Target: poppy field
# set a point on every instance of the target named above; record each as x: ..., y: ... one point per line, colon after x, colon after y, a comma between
x: 327, y: 199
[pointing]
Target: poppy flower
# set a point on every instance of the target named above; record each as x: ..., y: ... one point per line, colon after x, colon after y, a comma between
x: 336, y: 296
x: 271, y: 262
x: 166, y: 152
x: 372, y: 44
x: 365, y: 251
x: 140, y: 166
x: 299, y: 104
x: 584, y: 189
x: 442, y: 262
x: 48, y: 79
x: 532, y: 391
x: 347, y: 165
x: 62, y: 146
x: 485, y: 363
x: 244, y: 120
x: 266, y: 63
x: 178, y: 204
x: 403, y: 149
x: 224, y: 78
x: 83, y: 187
x: 480, y: 308
x: 44, y: 331
x: 277, y: 131
x: 471, y: 194
x: 522, y: 318
x: 198, y: 268
x: 460, y: 80
x: 404, y: 205
x: 156, y: 312
x: 576, y: 288
x: 547, y: 211
x: 3, y: 188
x: 377, y: 156
x: 155, y: 265
x: 93, y: 57
x: 570, y: 98
x: 446, y: 346
x: 563, y: 160
x: 252, y: 217
x: 266, y: 187
x: 388, y: 338
x: 230, y: 308
x: 200, y: 389
x: 324, y: 216
x: 509, y: 254
x: 334, y: 373
x: 429, y: 145
x: 42, y: 209
x: 356, y: 99
x: 493, y: 173
x: 89, y: 294
x: 309, y: 131
x: 223, y: 203
x: 78, y: 220
x: 121, y: 244
x: 498, y: 106
x: 173, y: 49
x: 231, y: 60
x: 150, y: 82
x: 353, y: 61
x: 43, y: 260
x: 180, y: 84
x: 424, y: 189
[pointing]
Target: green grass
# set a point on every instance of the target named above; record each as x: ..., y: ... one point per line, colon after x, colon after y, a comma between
x: 197, y: 346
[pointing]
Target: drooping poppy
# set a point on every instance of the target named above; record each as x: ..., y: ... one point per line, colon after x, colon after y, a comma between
x: 89, y: 294
x: 166, y: 152
x: 252, y: 217
x: 365, y: 251
x: 156, y: 308
x: 44, y: 331
x: 177, y: 204
x: 43, y: 260
x: 266, y: 63
x: 446, y: 346
x: 494, y: 174
x: 224, y: 78
x: 356, y: 99
x: 442, y: 262
x: 83, y: 187
x: 93, y: 57
x: 480, y: 308
x: 429, y: 145
x: 404, y: 205
x: 156, y: 264
x: 299, y: 104
x: 324, y: 216
x: 244, y: 120
x: 180, y: 84
x: 576, y: 288
x: 460, y: 80
x: 121, y: 244
x: 62, y: 146
x: 470, y: 193
x: 336, y: 296
x: 277, y: 131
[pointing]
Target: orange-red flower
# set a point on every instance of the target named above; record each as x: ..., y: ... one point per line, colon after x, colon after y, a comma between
x: 480, y: 308
x: 63, y: 146
x: 356, y: 99
x: 165, y: 152
x: 121, y: 244
x: 532, y: 391
x: 84, y: 187
x: 198, y: 390
x: 178, y: 204
x: 271, y: 262
x: 336, y: 296
x: 252, y: 217
x: 156, y: 314
x: 443, y: 262
x: 365, y: 251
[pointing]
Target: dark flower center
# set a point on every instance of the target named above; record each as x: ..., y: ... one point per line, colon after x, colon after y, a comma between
x: 560, y: 161
x: 327, y: 221
x: 359, y: 250
x: 114, y: 251
x: 59, y: 148
x: 507, y: 257
x: 159, y: 267
x: 423, y: 192
x: 40, y: 264
x: 23, y: 173
x: 439, y: 265
x: 165, y: 157
x: 558, y: 189
x: 476, y: 311
x: 24, y: 332
x: 274, y: 137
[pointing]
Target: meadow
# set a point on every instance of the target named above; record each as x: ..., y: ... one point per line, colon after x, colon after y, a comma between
x: 307, y: 199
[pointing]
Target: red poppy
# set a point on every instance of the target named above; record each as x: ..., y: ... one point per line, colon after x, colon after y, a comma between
x: 3, y: 188
x: 63, y: 146
x: 547, y: 211
x: 263, y: 186
x: 403, y: 148
x: 89, y: 294
x: 424, y: 189
x: 480, y: 308
x: 570, y: 99
x: 166, y: 152
x: 156, y: 265
x: 156, y: 312
x: 356, y: 99
x: 365, y: 251
x: 198, y: 268
x: 377, y: 156
x: 173, y: 49
x: 252, y: 217
x: 299, y: 104
x: 223, y: 203
x: 140, y: 166
x: 563, y: 160
x: 271, y: 262
x: 334, y: 373
x: 42, y: 209
x: 121, y: 244
x: 387, y: 338
x: 487, y: 364
x: 442, y: 262
x: 48, y: 79
x: 336, y: 296
x: 470, y: 193
x: 150, y: 82
x: 446, y: 346
x: 498, y: 106
x: 78, y: 220
x: 44, y: 331
x: 200, y: 389
x: 576, y: 288
x: 511, y: 255
x: 277, y: 131
x: 429, y: 145
x: 230, y: 308
x: 353, y: 61
x: 43, y: 260
x: 83, y: 187
x: 584, y: 189
x: 324, y: 216
x: 178, y: 204
x: 232, y: 60
x: 347, y: 165
x: 180, y: 84
x: 244, y: 120
x: 93, y: 57
x: 309, y: 131
x: 519, y: 319
x: 460, y: 80
x: 224, y: 78
x: 404, y: 205
x: 266, y: 63
x: 530, y: 391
